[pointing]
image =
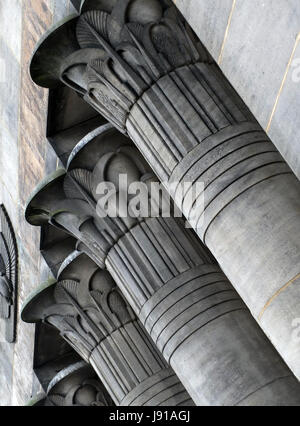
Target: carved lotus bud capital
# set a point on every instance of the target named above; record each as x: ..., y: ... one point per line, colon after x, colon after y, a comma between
x: 77, y: 385
x: 112, y: 53
x: 85, y: 310
x: 72, y: 201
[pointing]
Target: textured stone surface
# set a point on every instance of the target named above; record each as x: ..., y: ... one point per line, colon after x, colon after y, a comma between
x: 192, y: 127
x: 209, y: 19
x: 24, y: 159
x: 251, y: 60
x: 10, y: 56
x: 284, y: 128
x: 259, y: 40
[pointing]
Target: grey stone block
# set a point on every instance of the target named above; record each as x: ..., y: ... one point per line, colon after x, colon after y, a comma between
x: 11, y: 27
x: 285, y: 126
x: 209, y: 19
x: 10, y: 90
x: 257, y: 51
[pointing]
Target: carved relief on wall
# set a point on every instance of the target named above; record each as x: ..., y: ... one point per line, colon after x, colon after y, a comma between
x: 8, y: 274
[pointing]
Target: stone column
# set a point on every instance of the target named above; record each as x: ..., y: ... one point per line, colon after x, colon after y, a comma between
x: 91, y: 315
x: 75, y: 386
x: 141, y: 66
x: 193, y: 314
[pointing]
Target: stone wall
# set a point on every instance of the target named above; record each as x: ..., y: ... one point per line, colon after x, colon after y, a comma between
x: 257, y: 45
x: 25, y: 158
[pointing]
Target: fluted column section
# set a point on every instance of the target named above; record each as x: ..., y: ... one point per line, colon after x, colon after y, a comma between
x: 134, y: 373
x: 197, y: 319
x: 251, y: 214
x: 193, y: 314
x: 250, y: 217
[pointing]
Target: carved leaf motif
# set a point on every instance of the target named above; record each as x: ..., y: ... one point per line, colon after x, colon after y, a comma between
x: 136, y: 29
x: 81, y: 176
x: 93, y: 20
x: 10, y: 254
x: 71, y: 287
x: 98, y: 65
x: 5, y: 258
x: 74, y: 326
x: 167, y: 44
x: 5, y: 297
x: 110, y: 103
x: 61, y: 297
x: 139, y: 41
x: 78, y: 344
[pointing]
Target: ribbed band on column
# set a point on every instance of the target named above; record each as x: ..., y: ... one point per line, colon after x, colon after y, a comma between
x: 228, y: 163
x: 152, y: 254
x: 196, y: 318
x: 162, y: 389
x: 181, y: 110
x: 186, y: 304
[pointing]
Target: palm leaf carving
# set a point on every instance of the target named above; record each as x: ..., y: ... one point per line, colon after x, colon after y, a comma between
x: 8, y: 271
x: 93, y: 20
x: 71, y: 287
x: 83, y: 178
